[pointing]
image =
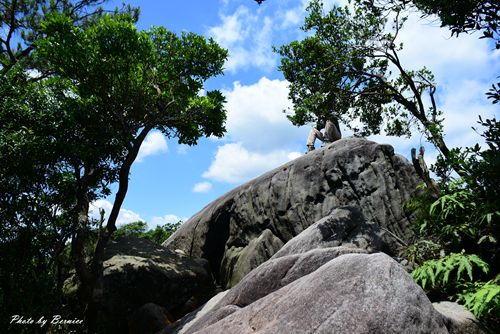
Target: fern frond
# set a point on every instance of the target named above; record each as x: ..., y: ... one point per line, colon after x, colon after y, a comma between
x: 439, y: 271
x: 482, y: 298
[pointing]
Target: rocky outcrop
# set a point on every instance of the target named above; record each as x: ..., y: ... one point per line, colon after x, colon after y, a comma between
x: 307, y: 293
x: 458, y: 319
x: 346, y: 227
x: 144, y: 281
x: 247, y: 226
x: 149, y: 318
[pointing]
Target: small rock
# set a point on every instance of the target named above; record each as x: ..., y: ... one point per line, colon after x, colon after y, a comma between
x: 458, y: 319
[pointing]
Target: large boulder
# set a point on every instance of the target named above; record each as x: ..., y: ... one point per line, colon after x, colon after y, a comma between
x: 458, y: 319
x: 345, y: 227
x: 138, y: 272
x: 245, y: 227
x: 149, y: 318
x: 352, y: 293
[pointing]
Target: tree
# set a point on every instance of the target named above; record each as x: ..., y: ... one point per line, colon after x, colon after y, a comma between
x: 33, y: 184
x: 139, y: 229
x: 32, y: 233
x: 120, y: 85
x: 461, y: 225
x: 343, y: 69
x: 465, y: 15
x: 99, y: 89
x: 20, y: 22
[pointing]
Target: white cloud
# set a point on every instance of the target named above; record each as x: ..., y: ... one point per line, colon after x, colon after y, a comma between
x: 462, y: 104
x: 202, y: 187
x: 167, y: 219
x: 182, y: 149
x: 231, y: 31
x: 248, y: 39
x: 259, y: 134
x: 292, y: 17
x: 294, y: 155
x: 234, y: 163
x: 464, y: 68
x: 153, y: 144
x: 124, y: 217
x: 255, y: 116
x: 295, y: 16
x: 449, y: 58
x: 128, y: 216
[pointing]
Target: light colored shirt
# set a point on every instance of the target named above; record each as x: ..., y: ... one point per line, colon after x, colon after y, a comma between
x: 332, y: 132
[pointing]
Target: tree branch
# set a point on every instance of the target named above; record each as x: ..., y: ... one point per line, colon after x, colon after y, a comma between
x: 423, y: 172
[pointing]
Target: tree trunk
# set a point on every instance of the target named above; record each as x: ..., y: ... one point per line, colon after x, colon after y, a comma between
x: 96, y: 269
x: 80, y: 221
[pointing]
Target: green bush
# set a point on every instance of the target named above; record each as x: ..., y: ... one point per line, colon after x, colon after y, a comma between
x: 437, y: 272
x: 482, y: 298
x: 456, y: 252
x: 139, y: 229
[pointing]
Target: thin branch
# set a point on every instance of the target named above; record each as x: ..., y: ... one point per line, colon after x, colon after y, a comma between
x: 12, y: 28
x: 432, y: 90
x: 411, y: 84
x: 422, y: 171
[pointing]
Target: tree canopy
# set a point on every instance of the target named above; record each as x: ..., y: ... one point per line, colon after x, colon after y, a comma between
x: 139, y: 229
x: 343, y: 69
x: 348, y: 67
x: 466, y: 15
x: 78, y: 97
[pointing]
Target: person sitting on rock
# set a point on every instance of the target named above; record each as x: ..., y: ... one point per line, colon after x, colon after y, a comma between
x: 332, y: 132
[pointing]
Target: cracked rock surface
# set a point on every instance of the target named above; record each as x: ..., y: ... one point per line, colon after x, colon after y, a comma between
x: 247, y: 226
x: 308, y: 293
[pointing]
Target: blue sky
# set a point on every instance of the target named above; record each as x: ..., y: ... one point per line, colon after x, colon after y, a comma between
x: 171, y: 182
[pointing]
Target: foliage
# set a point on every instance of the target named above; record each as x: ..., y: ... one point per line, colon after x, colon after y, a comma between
x: 77, y: 99
x: 437, y: 272
x: 343, y: 69
x: 20, y: 23
x: 33, y: 185
x: 466, y: 16
x: 466, y: 216
x: 454, y: 274
x: 139, y: 229
x: 482, y: 298
x: 422, y: 250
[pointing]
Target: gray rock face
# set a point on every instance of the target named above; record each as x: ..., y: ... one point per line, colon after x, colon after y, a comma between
x: 273, y: 208
x: 346, y: 227
x: 149, y: 318
x: 184, y: 325
x: 138, y: 272
x: 243, y: 259
x: 458, y: 319
x: 265, y: 279
x: 353, y: 293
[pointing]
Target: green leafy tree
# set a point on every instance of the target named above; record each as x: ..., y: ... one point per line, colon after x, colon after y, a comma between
x: 121, y: 84
x: 140, y: 229
x: 134, y: 229
x: 465, y: 16
x: 99, y: 89
x: 343, y: 69
x: 464, y: 223
x: 33, y: 183
x: 161, y: 233
x: 20, y: 22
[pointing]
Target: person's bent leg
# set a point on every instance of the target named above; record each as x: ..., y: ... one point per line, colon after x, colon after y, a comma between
x: 313, y: 134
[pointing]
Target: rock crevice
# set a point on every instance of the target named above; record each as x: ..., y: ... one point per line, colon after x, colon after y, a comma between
x: 285, y: 201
